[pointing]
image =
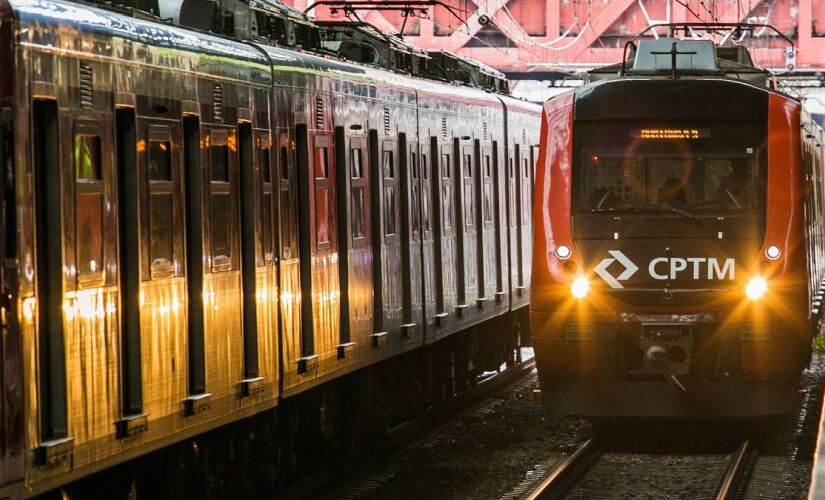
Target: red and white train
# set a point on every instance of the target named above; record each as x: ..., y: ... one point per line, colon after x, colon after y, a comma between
x: 678, y: 250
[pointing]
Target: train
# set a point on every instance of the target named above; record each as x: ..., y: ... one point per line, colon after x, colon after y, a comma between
x: 678, y: 235
x: 240, y: 242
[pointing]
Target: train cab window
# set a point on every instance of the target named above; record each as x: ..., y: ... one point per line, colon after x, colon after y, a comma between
x: 161, y: 215
x: 323, y: 204
x: 469, y: 198
x: 267, y: 193
x: 424, y: 167
x: 357, y: 191
x: 487, y: 191
x: 220, y: 204
x: 88, y: 208
x: 446, y: 191
x: 390, y: 205
x: 718, y: 170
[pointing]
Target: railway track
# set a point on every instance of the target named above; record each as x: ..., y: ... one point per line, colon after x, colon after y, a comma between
x: 573, y: 473
x: 320, y: 483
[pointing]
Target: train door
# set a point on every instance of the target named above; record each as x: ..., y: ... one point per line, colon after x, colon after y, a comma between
x: 258, y: 242
x: 485, y: 224
x: 512, y: 223
x: 290, y: 262
x: 386, y: 239
x: 518, y: 200
x: 150, y: 210
x: 355, y: 278
x: 198, y: 398
x: 52, y: 402
x: 410, y: 176
x: 466, y: 226
x: 427, y: 214
x: 318, y: 240
x: 499, y: 185
x: 223, y: 317
x: 445, y: 249
x: 11, y: 367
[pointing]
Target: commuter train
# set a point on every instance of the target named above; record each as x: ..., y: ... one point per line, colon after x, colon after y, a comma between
x: 204, y: 233
x: 678, y: 237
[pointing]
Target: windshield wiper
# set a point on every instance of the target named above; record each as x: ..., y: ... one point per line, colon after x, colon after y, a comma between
x: 664, y: 207
x: 661, y: 207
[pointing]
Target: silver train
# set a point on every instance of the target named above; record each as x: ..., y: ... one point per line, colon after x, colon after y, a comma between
x: 199, y: 233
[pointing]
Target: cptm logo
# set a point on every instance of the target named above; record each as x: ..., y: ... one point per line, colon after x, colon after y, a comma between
x: 629, y: 269
x: 664, y: 268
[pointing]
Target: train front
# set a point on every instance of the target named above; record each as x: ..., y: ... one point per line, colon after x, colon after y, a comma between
x: 672, y: 274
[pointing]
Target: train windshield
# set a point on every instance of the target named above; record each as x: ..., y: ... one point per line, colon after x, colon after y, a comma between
x: 713, y: 168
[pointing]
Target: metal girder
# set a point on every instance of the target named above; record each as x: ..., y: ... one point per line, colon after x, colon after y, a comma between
x: 588, y: 33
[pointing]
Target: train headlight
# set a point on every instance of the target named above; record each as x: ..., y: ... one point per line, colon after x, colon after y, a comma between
x: 563, y: 251
x: 773, y: 252
x: 580, y: 287
x: 756, y: 288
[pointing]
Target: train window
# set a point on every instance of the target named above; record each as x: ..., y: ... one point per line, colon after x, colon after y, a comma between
x: 323, y: 204
x: 390, y: 205
x: 414, y: 169
x: 389, y: 165
x: 389, y: 210
x: 526, y: 206
x: 487, y: 192
x: 88, y: 207
x: 357, y: 192
x: 284, y: 163
x: 220, y: 206
x: 414, y: 194
x: 160, y: 160
x: 424, y: 166
x: 469, y: 192
x: 219, y: 163
x: 512, y: 175
x: 356, y: 163
x: 446, y: 192
x: 264, y: 163
x: 357, y: 212
x: 161, y: 215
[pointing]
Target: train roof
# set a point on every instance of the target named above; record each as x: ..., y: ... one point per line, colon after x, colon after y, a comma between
x: 237, y: 60
x: 704, y: 50
x: 220, y: 56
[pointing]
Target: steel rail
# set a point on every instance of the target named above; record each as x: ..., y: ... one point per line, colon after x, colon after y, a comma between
x: 735, y: 474
x: 564, y: 471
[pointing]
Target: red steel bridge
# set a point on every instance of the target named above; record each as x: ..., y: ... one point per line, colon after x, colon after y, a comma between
x: 523, y: 37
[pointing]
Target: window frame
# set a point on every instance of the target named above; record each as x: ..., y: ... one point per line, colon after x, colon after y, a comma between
x: 323, y: 143
x: 390, y: 183
x: 287, y: 201
x: 217, y: 137
x: 359, y: 144
x: 85, y: 127
x: 262, y: 141
x: 161, y: 133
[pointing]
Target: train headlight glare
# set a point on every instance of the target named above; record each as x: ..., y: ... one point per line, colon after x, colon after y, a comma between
x: 756, y: 288
x: 773, y: 252
x: 563, y: 251
x: 580, y: 287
